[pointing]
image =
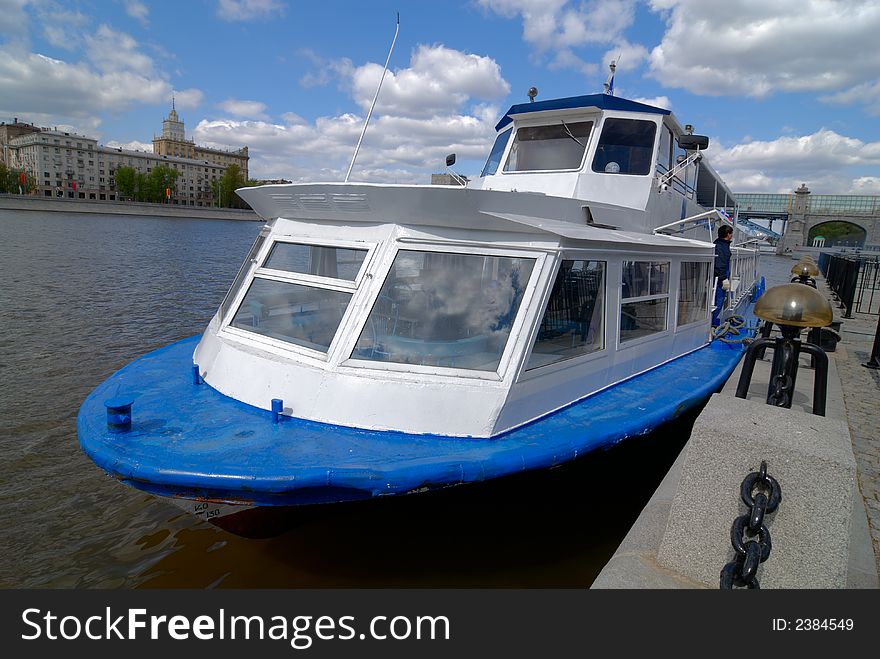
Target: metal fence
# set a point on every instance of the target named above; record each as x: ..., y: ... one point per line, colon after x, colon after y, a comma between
x: 854, y: 281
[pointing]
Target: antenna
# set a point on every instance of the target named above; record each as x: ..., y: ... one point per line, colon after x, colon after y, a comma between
x: 609, y: 84
x: 375, y: 98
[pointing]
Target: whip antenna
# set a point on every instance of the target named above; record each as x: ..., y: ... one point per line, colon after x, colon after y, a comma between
x: 375, y: 98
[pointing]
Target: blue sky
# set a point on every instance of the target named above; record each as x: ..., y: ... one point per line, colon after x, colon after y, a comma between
x: 788, y: 91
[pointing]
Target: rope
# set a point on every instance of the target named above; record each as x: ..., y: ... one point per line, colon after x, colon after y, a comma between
x: 731, y: 327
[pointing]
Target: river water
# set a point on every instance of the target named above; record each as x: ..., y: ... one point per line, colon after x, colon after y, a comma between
x: 82, y: 295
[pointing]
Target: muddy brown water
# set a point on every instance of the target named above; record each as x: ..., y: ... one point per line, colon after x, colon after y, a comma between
x: 82, y: 295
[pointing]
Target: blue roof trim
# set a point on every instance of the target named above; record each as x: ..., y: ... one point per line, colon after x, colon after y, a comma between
x: 601, y: 101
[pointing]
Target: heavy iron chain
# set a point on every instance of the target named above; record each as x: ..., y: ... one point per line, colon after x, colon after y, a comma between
x: 741, y: 571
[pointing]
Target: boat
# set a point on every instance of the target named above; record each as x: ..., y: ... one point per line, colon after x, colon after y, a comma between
x: 388, y: 339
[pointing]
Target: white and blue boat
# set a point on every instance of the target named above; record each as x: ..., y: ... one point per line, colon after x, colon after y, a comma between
x: 386, y: 340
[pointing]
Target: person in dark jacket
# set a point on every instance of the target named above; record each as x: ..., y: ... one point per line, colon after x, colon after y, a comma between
x: 722, y: 269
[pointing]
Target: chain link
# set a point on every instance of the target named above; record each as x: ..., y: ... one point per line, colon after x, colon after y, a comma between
x: 749, y: 536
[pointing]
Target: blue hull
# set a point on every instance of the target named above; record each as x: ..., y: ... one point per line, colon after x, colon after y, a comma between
x: 191, y: 441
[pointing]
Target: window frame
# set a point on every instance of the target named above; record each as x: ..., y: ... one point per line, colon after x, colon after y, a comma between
x: 592, y: 118
x: 513, y: 349
x: 621, y: 301
x: 654, y: 142
x: 313, y: 281
x: 574, y: 359
x: 709, y: 300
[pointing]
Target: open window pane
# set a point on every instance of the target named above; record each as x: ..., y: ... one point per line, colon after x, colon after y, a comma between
x: 573, y: 323
x: 496, y: 153
x: 335, y: 262
x: 442, y: 309
x: 560, y: 146
x: 302, y: 315
x: 693, y: 289
x: 639, y: 319
x: 626, y: 146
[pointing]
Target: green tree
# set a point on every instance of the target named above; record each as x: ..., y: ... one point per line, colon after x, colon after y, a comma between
x: 10, y: 180
x: 161, y: 179
x: 224, y: 188
x: 126, y: 182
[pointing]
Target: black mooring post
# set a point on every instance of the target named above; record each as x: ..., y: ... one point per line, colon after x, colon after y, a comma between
x: 874, y: 360
x: 783, y: 371
x: 766, y: 329
x: 745, y: 376
x: 820, y: 377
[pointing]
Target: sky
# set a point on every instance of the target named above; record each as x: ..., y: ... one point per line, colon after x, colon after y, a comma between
x: 788, y: 91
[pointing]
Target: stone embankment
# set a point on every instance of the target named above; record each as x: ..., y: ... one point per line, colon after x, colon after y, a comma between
x: 52, y: 205
x: 826, y: 531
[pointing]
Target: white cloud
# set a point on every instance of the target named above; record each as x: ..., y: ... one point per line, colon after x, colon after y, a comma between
x: 566, y: 60
x: 656, y: 101
x: 628, y: 56
x: 134, y: 145
x: 559, y: 24
x: 249, y: 10
x: 246, y: 109
x: 438, y: 80
x: 425, y: 111
x: 138, y: 11
x: 13, y: 19
x: 62, y: 27
x: 750, y: 47
x: 112, y: 51
x: 187, y: 99
x: 867, y: 94
x: 825, y: 160
x: 869, y: 185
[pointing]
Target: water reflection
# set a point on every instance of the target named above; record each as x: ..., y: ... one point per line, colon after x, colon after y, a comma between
x: 84, y: 295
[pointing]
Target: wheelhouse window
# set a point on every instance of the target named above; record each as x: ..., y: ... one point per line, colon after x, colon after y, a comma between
x: 559, y: 146
x: 301, y: 294
x: 693, y: 293
x: 644, y: 298
x: 496, y: 153
x: 626, y: 146
x: 302, y: 315
x: 445, y: 309
x: 318, y: 260
x: 573, y: 322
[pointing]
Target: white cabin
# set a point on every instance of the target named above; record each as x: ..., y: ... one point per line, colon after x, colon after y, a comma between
x: 468, y: 311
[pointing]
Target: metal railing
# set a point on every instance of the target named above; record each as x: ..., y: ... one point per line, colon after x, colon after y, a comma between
x: 855, y: 282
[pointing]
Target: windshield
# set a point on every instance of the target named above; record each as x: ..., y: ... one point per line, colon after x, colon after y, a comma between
x: 440, y: 309
x: 496, y: 153
x: 560, y: 146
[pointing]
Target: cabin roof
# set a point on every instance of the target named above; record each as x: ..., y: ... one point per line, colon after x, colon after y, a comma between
x: 601, y: 101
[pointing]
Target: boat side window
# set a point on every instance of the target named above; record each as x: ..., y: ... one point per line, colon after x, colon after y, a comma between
x: 496, y: 153
x: 558, y: 146
x: 644, y: 298
x: 693, y: 293
x: 445, y: 309
x: 319, y: 260
x: 664, y: 152
x: 626, y: 146
x: 245, y: 268
x: 573, y: 322
x: 286, y: 303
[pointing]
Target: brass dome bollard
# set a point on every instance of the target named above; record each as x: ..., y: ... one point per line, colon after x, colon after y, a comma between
x: 792, y: 307
x: 805, y: 272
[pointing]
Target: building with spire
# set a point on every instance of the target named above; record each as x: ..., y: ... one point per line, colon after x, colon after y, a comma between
x: 173, y: 143
x: 73, y: 166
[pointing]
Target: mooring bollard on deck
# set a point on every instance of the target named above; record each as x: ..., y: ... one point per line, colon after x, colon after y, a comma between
x: 277, y: 407
x: 197, y: 378
x: 119, y: 413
